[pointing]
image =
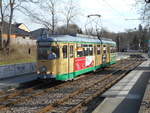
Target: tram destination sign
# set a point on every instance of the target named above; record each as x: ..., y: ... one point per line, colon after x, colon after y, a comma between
x: 44, y: 43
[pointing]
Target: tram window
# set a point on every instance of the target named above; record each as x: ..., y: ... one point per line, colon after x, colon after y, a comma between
x: 42, y: 53
x: 55, y: 51
x: 98, y: 49
x: 85, y: 51
x: 80, y: 52
x: 71, y: 52
x: 64, y: 51
x: 111, y: 49
x: 104, y: 51
x: 48, y: 53
x: 90, y: 50
x: 108, y: 49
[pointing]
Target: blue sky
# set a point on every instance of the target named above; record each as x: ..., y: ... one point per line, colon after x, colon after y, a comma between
x: 114, y: 14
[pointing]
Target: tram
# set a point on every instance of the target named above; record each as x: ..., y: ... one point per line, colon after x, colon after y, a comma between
x: 66, y: 57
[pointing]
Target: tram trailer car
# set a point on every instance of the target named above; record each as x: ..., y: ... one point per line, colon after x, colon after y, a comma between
x: 66, y: 57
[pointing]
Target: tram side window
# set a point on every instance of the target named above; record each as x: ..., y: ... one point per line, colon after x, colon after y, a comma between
x: 80, y: 53
x: 112, y: 50
x: 104, y: 49
x: 108, y: 49
x: 71, y: 52
x: 55, y: 50
x: 90, y: 50
x: 85, y: 50
x: 64, y: 51
x: 98, y: 49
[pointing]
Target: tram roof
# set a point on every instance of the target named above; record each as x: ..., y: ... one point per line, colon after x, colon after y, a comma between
x: 68, y: 38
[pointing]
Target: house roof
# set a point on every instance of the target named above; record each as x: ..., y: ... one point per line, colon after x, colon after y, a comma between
x: 15, y: 30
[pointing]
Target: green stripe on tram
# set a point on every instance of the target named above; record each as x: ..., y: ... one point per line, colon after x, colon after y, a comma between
x: 72, y: 75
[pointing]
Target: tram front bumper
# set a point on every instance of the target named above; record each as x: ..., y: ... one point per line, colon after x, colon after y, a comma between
x: 45, y: 76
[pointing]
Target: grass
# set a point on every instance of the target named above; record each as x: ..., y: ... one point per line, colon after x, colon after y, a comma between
x: 17, y: 61
x: 18, y: 54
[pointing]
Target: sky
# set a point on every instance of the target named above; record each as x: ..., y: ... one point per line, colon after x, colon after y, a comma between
x: 114, y: 14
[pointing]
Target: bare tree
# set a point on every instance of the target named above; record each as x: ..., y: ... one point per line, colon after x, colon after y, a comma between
x: 143, y: 8
x: 46, y: 13
x: 6, y: 13
x: 70, y: 12
x: 7, y: 8
x: 1, y: 25
x: 11, y: 8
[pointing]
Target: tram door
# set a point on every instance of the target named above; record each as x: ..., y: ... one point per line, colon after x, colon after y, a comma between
x: 104, y: 56
x: 108, y: 54
x: 64, y: 60
x: 98, y: 55
x: 71, y: 60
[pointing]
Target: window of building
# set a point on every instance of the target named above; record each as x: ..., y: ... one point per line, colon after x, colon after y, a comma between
x: 64, y: 49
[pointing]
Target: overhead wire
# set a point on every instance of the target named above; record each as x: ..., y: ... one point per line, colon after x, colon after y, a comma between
x: 115, y: 10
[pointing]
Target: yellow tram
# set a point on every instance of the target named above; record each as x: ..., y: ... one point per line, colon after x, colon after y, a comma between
x: 65, y: 57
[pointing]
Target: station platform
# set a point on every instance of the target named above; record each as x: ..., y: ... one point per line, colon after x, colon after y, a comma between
x: 14, y: 82
x: 127, y: 94
x: 145, y: 104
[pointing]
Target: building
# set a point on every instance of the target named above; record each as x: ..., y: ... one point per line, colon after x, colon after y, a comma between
x: 20, y: 34
x: 22, y: 26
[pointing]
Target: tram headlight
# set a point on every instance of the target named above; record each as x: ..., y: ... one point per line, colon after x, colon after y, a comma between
x: 38, y: 72
x: 48, y: 72
x: 43, y: 69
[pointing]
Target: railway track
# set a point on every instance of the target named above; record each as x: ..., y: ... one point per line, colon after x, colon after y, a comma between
x: 79, y: 98
x: 60, y: 92
x: 4, y: 95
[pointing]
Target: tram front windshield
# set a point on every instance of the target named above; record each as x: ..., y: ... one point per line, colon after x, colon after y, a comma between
x: 48, y: 53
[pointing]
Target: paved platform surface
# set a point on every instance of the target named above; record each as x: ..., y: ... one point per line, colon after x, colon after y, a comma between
x: 127, y: 94
x: 145, y: 104
x: 14, y: 82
